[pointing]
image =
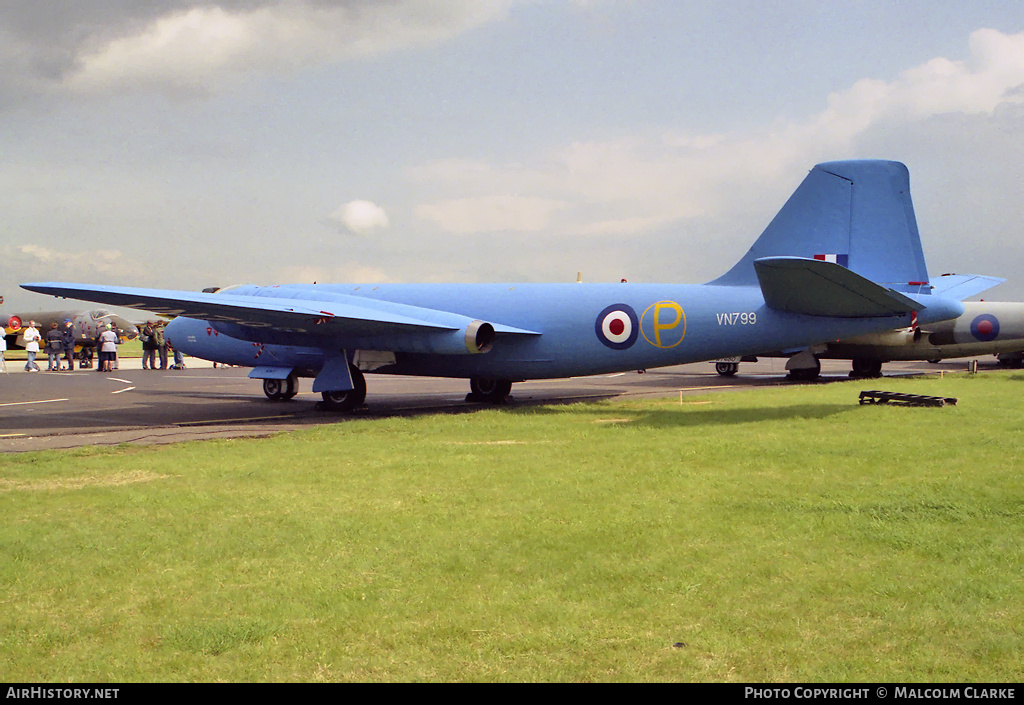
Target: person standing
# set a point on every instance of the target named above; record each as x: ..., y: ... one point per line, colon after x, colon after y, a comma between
x: 148, y: 347
x: 32, y: 339
x: 161, y: 343
x: 108, y: 342
x: 54, y: 347
x: 68, y: 341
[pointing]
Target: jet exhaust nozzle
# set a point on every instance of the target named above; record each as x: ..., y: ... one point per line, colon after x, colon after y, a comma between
x: 479, y: 337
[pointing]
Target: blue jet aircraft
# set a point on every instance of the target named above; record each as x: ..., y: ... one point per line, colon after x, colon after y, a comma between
x: 842, y: 258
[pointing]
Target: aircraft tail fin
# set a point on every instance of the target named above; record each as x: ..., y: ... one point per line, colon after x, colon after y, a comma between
x: 857, y: 214
x: 815, y: 288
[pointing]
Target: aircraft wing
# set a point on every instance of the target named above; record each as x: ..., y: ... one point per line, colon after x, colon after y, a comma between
x: 962, y: 286
x: 340, y: 316
x: 817, y: 288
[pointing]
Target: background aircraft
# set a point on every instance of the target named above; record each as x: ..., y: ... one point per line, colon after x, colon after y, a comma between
x: 88, y: 325
x: 984, y: 328
x: 841, y: 259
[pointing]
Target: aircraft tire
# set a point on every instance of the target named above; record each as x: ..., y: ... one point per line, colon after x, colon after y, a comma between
x: 806, y: 374
x: 275, y: 389
x: 489, y: 390
x: 727, y: 369
x: 291, y: 386
x: 350, y: 399
x: 866, y: 368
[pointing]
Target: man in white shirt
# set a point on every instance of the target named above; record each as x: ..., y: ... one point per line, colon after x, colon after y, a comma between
x: 32, y: 339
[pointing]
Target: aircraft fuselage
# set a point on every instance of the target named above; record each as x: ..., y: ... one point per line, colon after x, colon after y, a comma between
x: 582, y: 329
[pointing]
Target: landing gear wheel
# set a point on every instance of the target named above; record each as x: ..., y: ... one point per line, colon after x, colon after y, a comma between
x: 488, y: 389
x: 291, y: 386
x: 727, y: 369
x: 275, y: 389
x: 281, y: 389
x: 350, y: 399
x: 806, y: 374
x: 866, y: 367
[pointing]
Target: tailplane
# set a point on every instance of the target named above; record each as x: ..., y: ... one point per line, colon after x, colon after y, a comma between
x: 963, y: 286
x: 813, y: 288
x: 855, y: 213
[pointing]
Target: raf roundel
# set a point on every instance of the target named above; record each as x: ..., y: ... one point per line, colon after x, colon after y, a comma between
x: 985, y: 327
x: 617, y: 326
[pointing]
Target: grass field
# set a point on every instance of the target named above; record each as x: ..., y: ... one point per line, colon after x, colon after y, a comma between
x: 775, y: 535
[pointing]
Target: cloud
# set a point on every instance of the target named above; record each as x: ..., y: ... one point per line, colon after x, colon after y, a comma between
x: 491, y: 214
x: 32, y: 262
x: 351, y: 273
x: 639, y: 184
x: 361, y: 217
x: 196, y: 47
x: 36, y: 257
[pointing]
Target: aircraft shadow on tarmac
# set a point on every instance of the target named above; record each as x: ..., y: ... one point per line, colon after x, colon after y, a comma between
x: 688, y: 415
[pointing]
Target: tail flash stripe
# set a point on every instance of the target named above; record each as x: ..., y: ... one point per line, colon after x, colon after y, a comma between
x: 842, y: 260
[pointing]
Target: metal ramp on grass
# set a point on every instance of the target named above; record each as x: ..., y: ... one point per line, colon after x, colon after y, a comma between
x: 900, y: 399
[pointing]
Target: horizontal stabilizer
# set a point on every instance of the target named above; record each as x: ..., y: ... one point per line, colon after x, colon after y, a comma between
x: 963, y: 286
x: 817, y: 288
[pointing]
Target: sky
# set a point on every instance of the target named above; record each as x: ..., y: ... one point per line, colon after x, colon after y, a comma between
x: 183, y: 144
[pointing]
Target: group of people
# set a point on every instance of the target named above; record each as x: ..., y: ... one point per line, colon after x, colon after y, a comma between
x: 154, y: 344
x: 60, y: 341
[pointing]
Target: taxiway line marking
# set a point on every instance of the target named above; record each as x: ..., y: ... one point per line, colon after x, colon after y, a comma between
x: 42, y: 401
x: 126, y: 389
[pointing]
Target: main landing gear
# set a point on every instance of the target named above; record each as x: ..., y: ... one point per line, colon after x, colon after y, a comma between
x: 488, y: 390
x: 866, y: 367
x: 485, y: 390
x: 350, y: 399
x: 727, y: 369
x: 806, y: 374
x: 346, y: 400
x: 281, y: 389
